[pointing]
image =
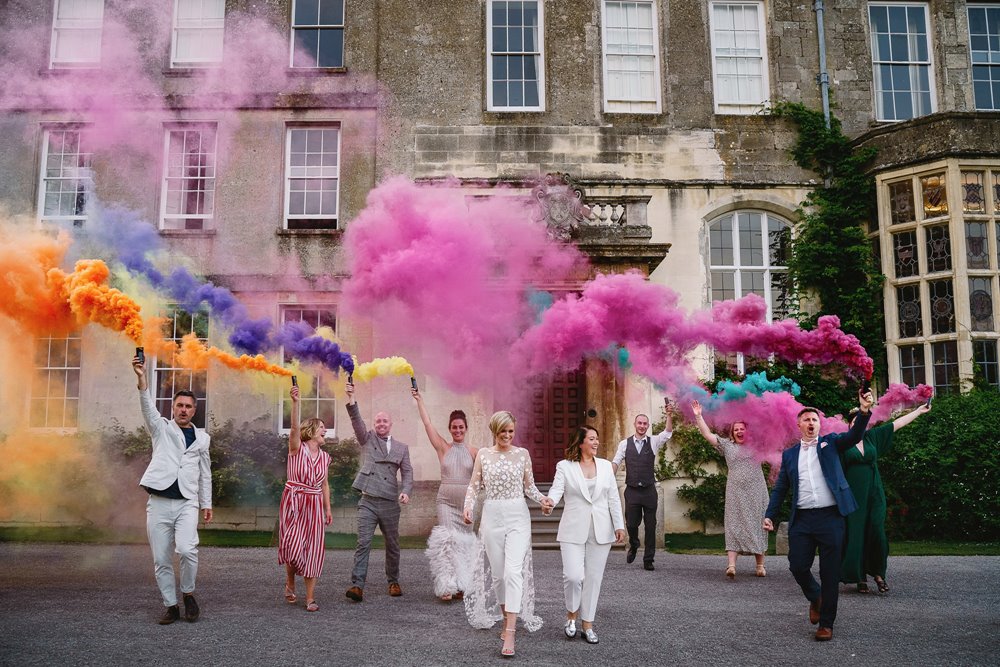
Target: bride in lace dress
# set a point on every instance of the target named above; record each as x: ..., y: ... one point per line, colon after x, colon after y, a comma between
x: 504, y: 472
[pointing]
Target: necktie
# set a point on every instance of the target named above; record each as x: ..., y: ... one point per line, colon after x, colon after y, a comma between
x: 810, y: 443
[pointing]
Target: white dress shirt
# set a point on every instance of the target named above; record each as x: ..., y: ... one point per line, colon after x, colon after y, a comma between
x: 813, y: 490
x: 654, y: 441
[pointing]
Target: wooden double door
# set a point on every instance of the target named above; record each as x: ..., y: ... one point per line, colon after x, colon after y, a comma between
x: 558, y: 408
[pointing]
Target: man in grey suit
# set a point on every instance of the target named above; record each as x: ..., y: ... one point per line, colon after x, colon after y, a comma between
x: 382, y: 459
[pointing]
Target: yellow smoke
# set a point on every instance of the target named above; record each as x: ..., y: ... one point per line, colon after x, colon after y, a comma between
x: 383, y: 366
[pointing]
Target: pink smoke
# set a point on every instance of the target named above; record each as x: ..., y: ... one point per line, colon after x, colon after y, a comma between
x: 645, y: 318
x: 899, y: 396
x: 445, y: 277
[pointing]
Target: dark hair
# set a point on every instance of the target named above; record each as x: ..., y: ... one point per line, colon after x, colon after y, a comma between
x: 185, y: 392
x: 805, y: 410
x: 573, y: 451
x: 457, y: 414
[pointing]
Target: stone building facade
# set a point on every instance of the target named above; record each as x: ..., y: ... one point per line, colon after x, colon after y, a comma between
x: 653, y: 111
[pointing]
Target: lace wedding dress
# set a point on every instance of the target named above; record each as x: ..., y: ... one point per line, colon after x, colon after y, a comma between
x: 506, y: 478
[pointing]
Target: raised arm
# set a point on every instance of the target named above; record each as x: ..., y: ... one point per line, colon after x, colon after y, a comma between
x: 660, y: 438
x: 150, y: 415
x: 360, y: 429
x: 294, y: 436
x: 699, y: 420
x: 440, y: 444
x: 899, y: 423
x: 844, y: 441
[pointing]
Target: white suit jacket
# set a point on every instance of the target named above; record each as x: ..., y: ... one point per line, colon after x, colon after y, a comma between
x: 603, y: 510
x: 190, y: 466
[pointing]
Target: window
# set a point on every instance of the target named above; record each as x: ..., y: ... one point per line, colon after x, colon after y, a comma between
x: 908, y: 303
x: 312, y: 177
x: 901, y: 61
x: 55, y: 388
x: 977, y: 245
x: 942, y: 300
x: 904, y: 247
x: 945, y: 367
x: 743, y: 263
x: 170, y: 379
x: 631, y: 57
x: 984, y: 45
x: 67, y: 180
x: 981, y: 303
x: 938, y: 248
x: 318, y: 33
x: 199, y: 28
x: 514, y: 36
x: 739, y: 57
x: 188, y: 200
x: 911, y: 365
x: 984, y: 354
x: 76, y: 33
x: 319, y: 400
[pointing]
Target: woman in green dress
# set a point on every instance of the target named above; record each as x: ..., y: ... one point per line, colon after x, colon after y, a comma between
x: 866, y: 548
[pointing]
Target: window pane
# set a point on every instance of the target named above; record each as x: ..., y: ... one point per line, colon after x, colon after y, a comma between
x: 935, y: 195
x: 945, y: 367
x: 722, y: 242
x: 306, y: 12
x: 981, y: 303
x: 331, y: 47
x: 306, y: 48
x: 911, y: 365
x: 942, y: 306
x: 973, y: 195
x: 904, y: 247
x: 909, y: 312
x: 985, y: 357
x: 977, y: 245
x: 938, y: 248
x: 750, y: 239
x: 171, y: 379
x: 331, y: 12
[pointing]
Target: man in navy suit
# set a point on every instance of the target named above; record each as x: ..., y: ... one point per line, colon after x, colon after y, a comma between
x: 821, y: 498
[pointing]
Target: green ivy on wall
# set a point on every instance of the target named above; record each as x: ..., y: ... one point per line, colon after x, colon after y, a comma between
x: 830, y: 254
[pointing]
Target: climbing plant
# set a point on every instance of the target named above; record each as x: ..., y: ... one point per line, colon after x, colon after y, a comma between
x: 830, y: 255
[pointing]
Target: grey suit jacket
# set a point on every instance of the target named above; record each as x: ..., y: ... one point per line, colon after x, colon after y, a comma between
x: 378, y: 473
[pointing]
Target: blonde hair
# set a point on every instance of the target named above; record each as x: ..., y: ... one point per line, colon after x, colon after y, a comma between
x: 501, y: 420
x: 309, y: 428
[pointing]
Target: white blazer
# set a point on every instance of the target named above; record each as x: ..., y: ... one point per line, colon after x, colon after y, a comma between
x: 603, y: 510
x: 190, y: 466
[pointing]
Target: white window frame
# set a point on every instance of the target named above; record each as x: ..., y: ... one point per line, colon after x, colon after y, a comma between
x: 991, y: 59
x: 316, y: 173
x: 651, y: 106
x: 742, y: 107
x: 178, y: 221
x: 47, y: 368
x: 202, y: 26
x: 83, y: 173
x: 538, y: 53
x: 880, y: 114
x: 70, y: 25
x: 331, y: 430
x: 319, y: 26
x: 158, y: 366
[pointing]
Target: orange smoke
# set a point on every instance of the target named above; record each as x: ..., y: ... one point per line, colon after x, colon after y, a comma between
x: 91, y: 300
x: 195, y: 355
x: 28, y: 297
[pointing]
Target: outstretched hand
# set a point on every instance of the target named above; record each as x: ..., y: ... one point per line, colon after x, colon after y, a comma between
x: 696, y: 408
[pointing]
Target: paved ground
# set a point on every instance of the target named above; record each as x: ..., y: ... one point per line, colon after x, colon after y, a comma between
x: 81, y: 604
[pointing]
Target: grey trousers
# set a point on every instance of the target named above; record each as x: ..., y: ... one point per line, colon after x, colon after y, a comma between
x: 384, y: 513
x: 172, y: 526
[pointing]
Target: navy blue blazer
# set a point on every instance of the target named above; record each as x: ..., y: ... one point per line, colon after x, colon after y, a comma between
x: 829, y: 463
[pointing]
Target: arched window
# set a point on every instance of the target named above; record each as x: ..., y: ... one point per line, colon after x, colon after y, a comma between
x: 748, y: 255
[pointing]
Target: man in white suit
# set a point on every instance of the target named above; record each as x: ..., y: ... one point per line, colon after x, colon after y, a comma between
x: 179, y: 482
x: 591, y: 522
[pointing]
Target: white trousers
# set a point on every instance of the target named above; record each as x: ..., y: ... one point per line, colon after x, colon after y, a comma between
x: 172, y: 525
x: 583, y: 572
x: 506, y: 534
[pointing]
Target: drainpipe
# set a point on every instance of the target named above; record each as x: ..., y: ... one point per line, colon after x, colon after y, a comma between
x: 824, y: 77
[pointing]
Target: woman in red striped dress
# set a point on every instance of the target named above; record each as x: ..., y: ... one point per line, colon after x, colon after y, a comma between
x: 305, y: 506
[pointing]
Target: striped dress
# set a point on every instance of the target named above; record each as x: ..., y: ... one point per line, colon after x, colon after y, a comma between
x: 300, y: 522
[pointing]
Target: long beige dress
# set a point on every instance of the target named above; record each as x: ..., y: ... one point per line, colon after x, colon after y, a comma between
x: 451, y: 546
x: 746, y: 499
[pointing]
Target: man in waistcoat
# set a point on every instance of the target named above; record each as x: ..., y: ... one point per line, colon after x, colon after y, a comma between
x: 639, y: 452
x: 383, y: 460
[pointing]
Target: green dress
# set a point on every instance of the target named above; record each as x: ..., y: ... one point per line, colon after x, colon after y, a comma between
x: 866, y: 548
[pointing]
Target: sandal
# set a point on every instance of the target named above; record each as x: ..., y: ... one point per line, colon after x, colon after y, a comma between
x: 863, y: 587
x: 447, y: 597
x: 290, y: 595
x: 882, y: 586
x: 731, y: 571
x: 508, y: 652
x: 761, y: 572
x: 312, y: 606
x: 458, y: 596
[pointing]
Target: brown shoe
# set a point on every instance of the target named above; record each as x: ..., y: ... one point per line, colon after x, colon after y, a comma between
x: 814, y: 611
x: 824, y: 634
x: 355, y: 594
x: 171, y: 614
x: 394, y: 590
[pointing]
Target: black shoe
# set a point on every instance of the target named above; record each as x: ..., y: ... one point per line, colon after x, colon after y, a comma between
x: 630, y: 556
x: 648, y: 566
x: 170, y: 615
x: 191, y: 610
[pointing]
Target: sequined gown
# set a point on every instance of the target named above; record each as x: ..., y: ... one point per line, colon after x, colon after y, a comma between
x: 451, y: 545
